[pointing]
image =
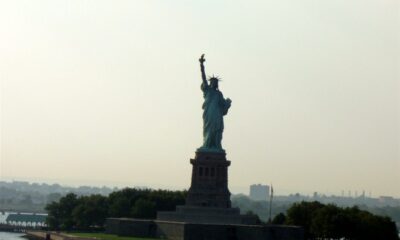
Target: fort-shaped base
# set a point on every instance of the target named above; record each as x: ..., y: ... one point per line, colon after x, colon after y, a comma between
x: 199, y: 231
x: 207, y: 215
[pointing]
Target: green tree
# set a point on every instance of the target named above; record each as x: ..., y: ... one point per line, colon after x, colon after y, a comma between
x: 53, y: 197
x: 301, y: 214
x: 91, y: 211
x: 331, y: 222
x: 53, y: 219
x: 119, y: 207
x: 27, y: 200
x: 88, y: 212
x: 366, y: 225
x: 60, y: 214
x: 144, y: 208
x: 279, y: 219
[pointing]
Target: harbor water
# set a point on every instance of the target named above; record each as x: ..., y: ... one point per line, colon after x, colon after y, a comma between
x: 11, y: 236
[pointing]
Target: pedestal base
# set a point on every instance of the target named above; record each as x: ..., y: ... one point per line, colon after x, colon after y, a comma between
x: 196, y: 231
x: 207, y: 215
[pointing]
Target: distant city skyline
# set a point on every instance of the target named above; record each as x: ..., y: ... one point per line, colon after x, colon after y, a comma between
x: 22, y: 196
x: 109, y: 92
x: 234, y: 189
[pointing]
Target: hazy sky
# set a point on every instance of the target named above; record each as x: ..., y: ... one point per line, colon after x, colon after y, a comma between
x: 108, y: 92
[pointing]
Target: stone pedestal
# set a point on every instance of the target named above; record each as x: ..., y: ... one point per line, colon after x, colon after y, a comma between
x: 209, y: 187
x: 208, y: 199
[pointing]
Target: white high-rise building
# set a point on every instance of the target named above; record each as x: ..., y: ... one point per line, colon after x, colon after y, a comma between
x: 259, y: 192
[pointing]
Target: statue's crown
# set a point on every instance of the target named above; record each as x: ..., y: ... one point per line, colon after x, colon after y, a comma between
x: 214, y: 78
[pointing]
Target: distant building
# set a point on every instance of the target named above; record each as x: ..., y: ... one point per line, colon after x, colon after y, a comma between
x: 315, y: 195
x: 259, y: 192
x: 388, y: 201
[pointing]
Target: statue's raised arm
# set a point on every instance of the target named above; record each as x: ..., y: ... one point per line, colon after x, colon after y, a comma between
x: 203, y: 72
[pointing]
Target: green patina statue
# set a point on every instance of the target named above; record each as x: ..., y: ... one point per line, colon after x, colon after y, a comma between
x: 215, y: 107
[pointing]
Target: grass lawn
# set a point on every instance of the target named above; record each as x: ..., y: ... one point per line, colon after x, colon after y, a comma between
x: 104, y: 236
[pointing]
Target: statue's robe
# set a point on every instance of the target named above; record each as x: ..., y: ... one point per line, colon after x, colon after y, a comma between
x: 214, y: 107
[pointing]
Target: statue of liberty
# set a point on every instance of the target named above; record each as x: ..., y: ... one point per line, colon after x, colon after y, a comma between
x: 214, y: 107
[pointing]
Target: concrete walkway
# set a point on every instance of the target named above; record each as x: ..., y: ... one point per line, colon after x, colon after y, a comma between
x: 39, y: 235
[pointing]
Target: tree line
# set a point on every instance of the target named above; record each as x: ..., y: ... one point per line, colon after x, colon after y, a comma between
x: 329, y: 221
x: 319, y: 221
x: 74, y: 212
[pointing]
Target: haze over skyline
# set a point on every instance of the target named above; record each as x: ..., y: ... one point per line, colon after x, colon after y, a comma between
x: 106, y: 92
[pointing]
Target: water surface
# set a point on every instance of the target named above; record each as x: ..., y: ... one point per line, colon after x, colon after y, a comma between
x: 11, y: 236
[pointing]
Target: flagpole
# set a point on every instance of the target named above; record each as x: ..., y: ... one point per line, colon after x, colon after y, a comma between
x: 270, y: 204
